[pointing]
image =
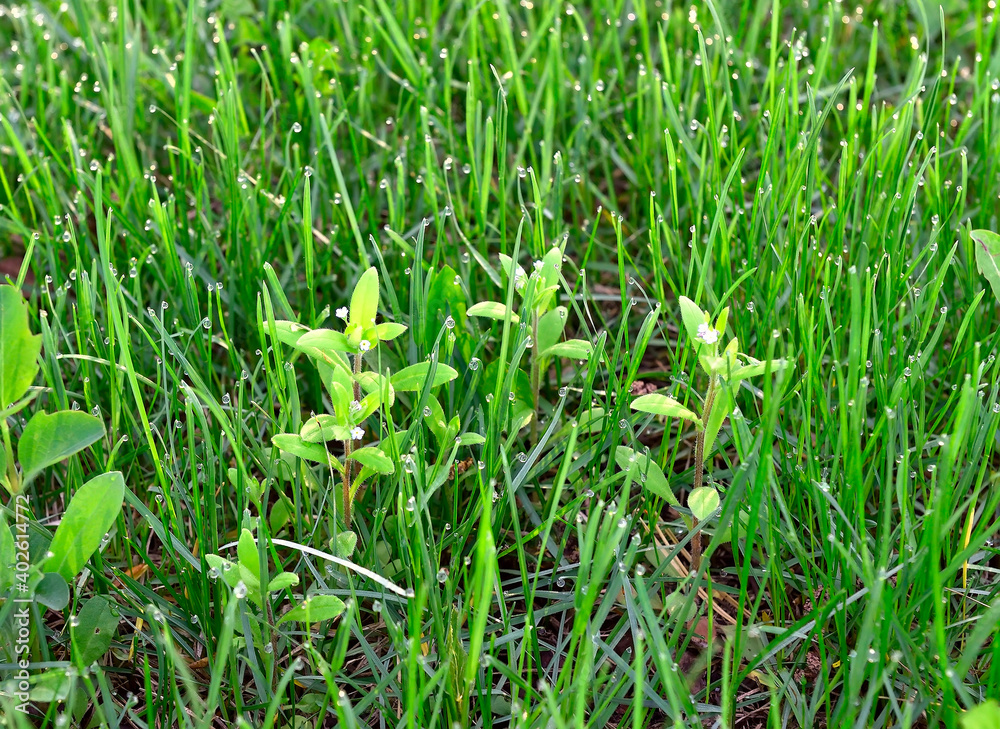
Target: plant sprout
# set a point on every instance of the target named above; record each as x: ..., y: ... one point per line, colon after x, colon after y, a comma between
x: 725, y: 370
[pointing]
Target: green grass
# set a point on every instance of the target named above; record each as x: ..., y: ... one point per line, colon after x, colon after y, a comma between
x: 175, y: 176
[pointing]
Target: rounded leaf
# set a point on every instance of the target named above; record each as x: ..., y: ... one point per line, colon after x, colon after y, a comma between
x: 703, y: 502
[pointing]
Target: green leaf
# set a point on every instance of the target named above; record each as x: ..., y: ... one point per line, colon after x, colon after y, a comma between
x: 722, y: 406
x: 345, y: 544
x: 91, y: 513
x: 662, y: 405
x: 984, y: 716
x: 693, y: 317
x: 322, y: 428
x: 988, y: 257
x: 468, y: 439
x: 298, y: 446
x: 325, y: 341
x: 52, y: 591
x: 512, y: 270
x: 95, y: 628
x: 550, y: 327
x: 389, y: 330
x: 364, y: 300
x: 288, y: 332
x: 283, y: 581
x: 572, y: 348
x: 315, y: 609
x: 19, y: 348
x: 8, y: 554
x: 434, y: 419
x: 374, y: 459
x: 48, y: 439
x: 412, y: 378
x: 246, y: 550
x: 646, y: 471
x: 703, y: 502
x: 491, y: 310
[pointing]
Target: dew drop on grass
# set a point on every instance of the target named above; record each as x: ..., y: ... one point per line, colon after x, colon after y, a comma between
x: 474, y: 363
x: 296, y: 127
x: 442, y: 575
x: 240, y: 591
x: 411, y: 503
x: 449, y: 322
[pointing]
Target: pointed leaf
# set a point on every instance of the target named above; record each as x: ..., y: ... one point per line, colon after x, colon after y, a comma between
x: 298, y: 446
x: 662, y: 405
x: 722, y: 406
x: 322, y: 428
x: 283, y: 581
x: 315, y: 609
x: 988, y: 257
x: 19, y: 348
x: 374, y: 459
x: 364, y: 300
x: 91, y: 513
x: 48, y: 439
x: 693, y: 317
x: 646, y: 471
x: 412, y: 378
x: 246, y: 550
x: 491, y: 310
x: 389, y: 330
x: 326, y: 341
x: 572, y: 348
x: 550, y: 327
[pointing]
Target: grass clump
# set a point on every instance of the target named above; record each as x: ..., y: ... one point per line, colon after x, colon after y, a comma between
x: 499, y: 364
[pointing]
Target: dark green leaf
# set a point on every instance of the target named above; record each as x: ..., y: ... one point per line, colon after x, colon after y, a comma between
x: 48, y: 439
x: 91, y: 513
x: 95, y: 628
x: 19, y: 348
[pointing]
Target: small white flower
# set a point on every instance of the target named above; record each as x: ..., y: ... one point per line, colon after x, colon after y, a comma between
x: 342, y: 312
x: 365, y: 345
x: 707, y: 334
x: 355, y: 406
x: 538, y: 265
x: 357, y: 432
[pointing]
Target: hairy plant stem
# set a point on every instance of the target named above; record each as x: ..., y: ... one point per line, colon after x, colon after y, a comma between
x: 699, y: 468
x: 349, y: 446
x: 535, y: 377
